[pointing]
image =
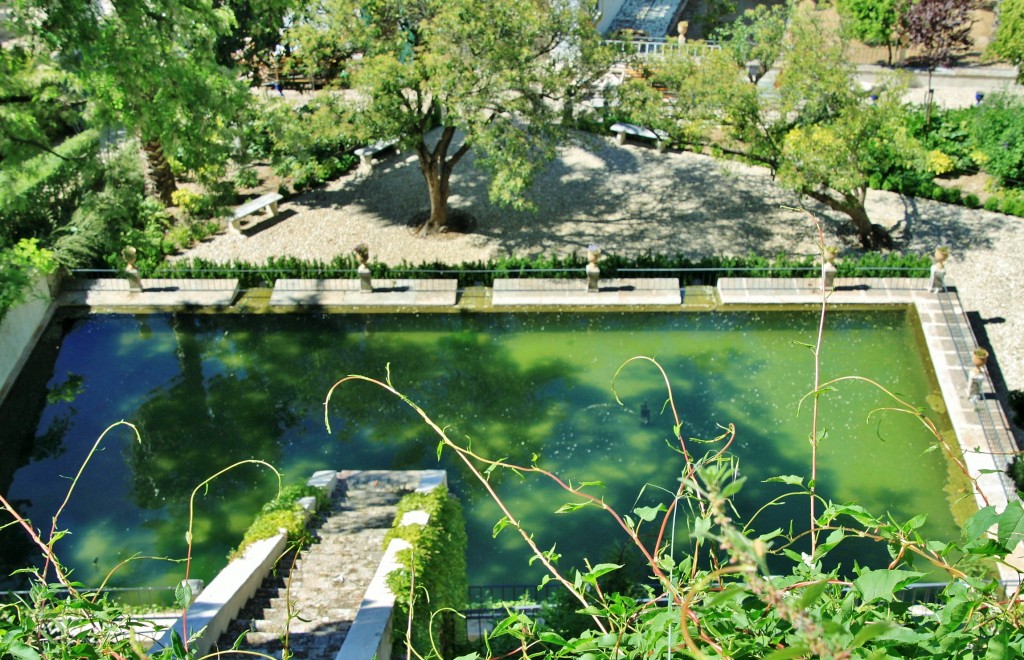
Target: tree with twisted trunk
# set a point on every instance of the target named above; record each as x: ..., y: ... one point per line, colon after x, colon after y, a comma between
x: 444, y: 76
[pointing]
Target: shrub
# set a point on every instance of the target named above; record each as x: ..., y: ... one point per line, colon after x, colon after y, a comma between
x: 705, y: 270
x: 40, y: 195
x: 938, y: 163
x: 437, y: 563
x: 19, y: 265
x: 998, y: 132
x: 195, y: 205
x: 972, y: 201
x: 282, y: 512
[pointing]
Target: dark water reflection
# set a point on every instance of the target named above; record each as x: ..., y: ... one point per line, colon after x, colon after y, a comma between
x: 207, y: 391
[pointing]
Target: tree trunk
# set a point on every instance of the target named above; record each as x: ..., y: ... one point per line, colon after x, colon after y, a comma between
x: 437, y: 176
x: 871, y: 236
x: 437, y: 167
x: 156, y: 172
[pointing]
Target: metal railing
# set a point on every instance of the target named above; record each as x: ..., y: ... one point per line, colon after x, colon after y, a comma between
x: 997, y: 435
x: 760, y: 277
x: 650, y: 47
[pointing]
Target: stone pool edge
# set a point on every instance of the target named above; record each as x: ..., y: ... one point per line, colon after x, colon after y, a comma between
x: 982, y: 429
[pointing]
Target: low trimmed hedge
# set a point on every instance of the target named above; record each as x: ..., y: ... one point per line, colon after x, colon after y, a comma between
x: 705, y: 270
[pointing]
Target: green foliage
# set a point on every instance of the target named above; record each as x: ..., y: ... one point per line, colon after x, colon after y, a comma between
x: 998, y: 131
x: 872, y: 22
x: 283, y: 512
x: 51, y: 623
x: 196, y: 205
x: 39, y: 195
x: 1009, y: 37
x: 1016, y: 401
x: 432, y: 580
x: 757, y: 35
x: 483, y: 72
x: 310, y: 145
x: 19, y: 266
x: 705, y: 270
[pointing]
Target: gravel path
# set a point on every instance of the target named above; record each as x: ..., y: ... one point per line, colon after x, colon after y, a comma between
x: 631, y: 200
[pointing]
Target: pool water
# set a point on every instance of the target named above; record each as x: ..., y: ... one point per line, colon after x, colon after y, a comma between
x: 206, y: 391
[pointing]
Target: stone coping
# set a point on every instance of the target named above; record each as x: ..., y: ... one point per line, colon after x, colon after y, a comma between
x: 347, y: 292
x: 156, y: 292
x: 574, y: 292
x: 949, y: 339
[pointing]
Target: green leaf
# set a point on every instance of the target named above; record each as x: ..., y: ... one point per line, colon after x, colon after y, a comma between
x: 791, y: 479
x: 1011, y: 525
x: 22, y: 651
x: 701, y: 527
x: 811, y: 593
x: 569, y: 507
x: 916, y: 522
x: 182, y: 594
x: 834, y: 539
x: 882, y: 584
x: 796, y: 651
x: 500, y: 525
x: 871, y: 631
x: 733, y: 487
x: 647, y: 513
x: 599, y: 570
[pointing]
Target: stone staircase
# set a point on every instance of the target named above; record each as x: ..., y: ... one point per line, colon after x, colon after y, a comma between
x: 308, y: 605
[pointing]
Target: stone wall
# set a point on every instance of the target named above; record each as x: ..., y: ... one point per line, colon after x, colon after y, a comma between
x: 21, y: 328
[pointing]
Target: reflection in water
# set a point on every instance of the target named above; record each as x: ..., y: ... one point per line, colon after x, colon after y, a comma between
x: 207, y: 391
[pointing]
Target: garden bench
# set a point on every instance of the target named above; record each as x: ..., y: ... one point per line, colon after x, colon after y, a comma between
x: 367, y: 153
x: 622, y: 130
x: 252, y: 206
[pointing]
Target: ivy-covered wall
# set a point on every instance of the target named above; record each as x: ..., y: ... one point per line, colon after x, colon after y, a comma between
x: 436, y: 565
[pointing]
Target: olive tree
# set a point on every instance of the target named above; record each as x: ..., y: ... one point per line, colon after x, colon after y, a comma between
x: 496, y: 76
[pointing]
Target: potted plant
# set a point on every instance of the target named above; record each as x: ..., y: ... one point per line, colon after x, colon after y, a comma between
x: 979, y: 357
x: 941, y: 254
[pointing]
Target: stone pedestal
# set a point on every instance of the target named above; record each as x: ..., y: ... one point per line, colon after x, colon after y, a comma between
x: 593, y: 276
x: 365, y: 285
x: 975, y: 381
x: 828, y: 275
x: 937, y: 283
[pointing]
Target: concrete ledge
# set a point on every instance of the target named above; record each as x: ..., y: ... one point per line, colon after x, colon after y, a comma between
x: 440, y: 292
x: 637, y: 291
x: 221, y: 600
x: 157, y: 292
x: 20, y: 330
x: 807, y: 290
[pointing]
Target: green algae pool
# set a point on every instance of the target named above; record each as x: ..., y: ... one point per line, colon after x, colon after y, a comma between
x: 206, y: 391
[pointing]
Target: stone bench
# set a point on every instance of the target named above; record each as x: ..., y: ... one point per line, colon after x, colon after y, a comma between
x: 367, y: 153
x: 621, y: 130
x: 252, y: 206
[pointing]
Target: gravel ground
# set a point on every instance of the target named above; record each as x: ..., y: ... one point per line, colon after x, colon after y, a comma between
x: 631, y: 200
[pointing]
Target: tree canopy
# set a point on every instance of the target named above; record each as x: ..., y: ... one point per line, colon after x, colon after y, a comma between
x: 495, y: 76
x: 817, y: 129
x: 1009, y: 39
x: 873, y: 22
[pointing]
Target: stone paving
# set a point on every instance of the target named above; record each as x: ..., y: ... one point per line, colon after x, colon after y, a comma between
x: 317, y: 599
